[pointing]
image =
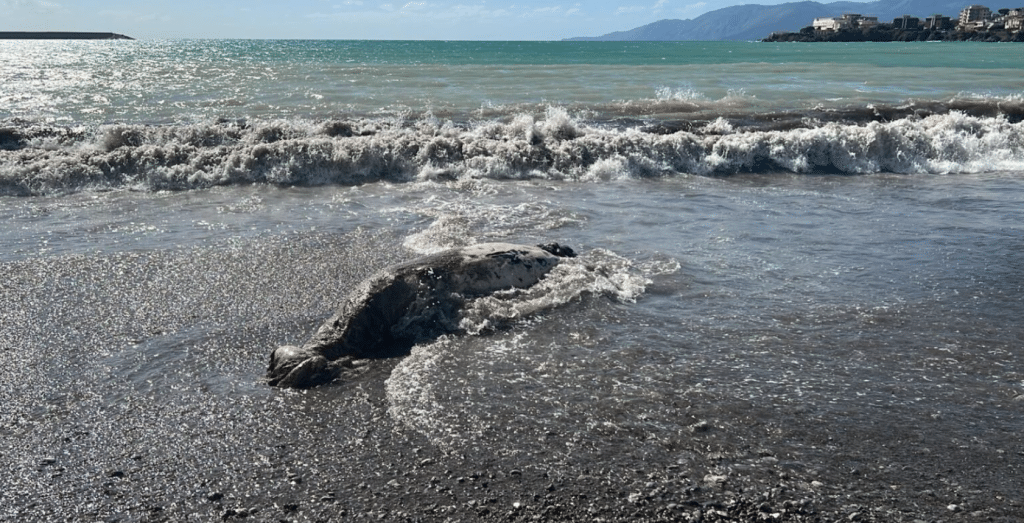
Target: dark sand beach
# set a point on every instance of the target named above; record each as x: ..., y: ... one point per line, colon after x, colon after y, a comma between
x: 93, y: 432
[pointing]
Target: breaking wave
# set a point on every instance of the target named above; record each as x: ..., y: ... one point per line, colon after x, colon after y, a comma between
x: 40, y: 159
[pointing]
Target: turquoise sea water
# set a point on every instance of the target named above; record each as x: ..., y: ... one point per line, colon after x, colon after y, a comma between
x: 172, y: 81
x: 809, y: 252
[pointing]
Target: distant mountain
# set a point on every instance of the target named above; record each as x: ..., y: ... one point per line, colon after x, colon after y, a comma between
x: 753, y: 21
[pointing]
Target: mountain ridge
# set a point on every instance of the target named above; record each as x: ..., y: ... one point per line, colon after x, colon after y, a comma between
x: 755, y: 21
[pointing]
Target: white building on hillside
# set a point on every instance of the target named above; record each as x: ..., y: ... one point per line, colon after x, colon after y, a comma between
x: 974, y: 16
x: 847, y: 21
x: 867, y: 21
x: 828, y: 24
x: 1014, y: 20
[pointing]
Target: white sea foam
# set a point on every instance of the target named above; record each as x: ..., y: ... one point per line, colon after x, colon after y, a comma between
x: 555, y: 146
x: 600, y: 273
x: 414, y: 388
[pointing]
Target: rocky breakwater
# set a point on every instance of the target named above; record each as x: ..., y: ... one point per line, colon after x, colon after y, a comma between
x: 60, y: 35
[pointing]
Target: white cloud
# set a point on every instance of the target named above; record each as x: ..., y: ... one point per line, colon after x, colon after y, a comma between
x: 425, y: 10
x: 473, y: 11
x: 18, y: 4
x: 627, y: 9
x: 414, y: 6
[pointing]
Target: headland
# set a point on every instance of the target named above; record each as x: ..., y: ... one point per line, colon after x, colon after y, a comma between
x: 975, y: 23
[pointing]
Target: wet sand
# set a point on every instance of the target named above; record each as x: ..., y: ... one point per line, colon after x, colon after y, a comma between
x: 136, y: 396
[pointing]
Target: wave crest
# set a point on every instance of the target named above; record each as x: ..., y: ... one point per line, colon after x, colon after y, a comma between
x: 38, y: 160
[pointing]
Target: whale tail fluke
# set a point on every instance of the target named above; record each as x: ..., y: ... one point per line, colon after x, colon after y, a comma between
x: 559, y: 250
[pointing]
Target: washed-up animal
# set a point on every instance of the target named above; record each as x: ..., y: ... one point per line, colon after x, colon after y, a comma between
x: 407, y: 304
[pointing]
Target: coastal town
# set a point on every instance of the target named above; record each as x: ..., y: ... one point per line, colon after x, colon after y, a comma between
x: 974, y: 23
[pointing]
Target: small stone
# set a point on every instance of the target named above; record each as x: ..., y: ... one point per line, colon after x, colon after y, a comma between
x: 817, y: 484
x: 425, y: 462
x: 700, y: 426
x: 517, y: 505
x: 953, y: 507
x: 47, y: 461
x: 714, y: 479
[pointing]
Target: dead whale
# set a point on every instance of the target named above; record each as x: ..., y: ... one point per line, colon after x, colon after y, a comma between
x: 409, y: 303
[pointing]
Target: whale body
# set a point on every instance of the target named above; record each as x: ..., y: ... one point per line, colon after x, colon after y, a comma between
x: 409, y: 303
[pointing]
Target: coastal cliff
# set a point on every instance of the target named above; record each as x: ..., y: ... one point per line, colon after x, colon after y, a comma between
x: 58, y: 35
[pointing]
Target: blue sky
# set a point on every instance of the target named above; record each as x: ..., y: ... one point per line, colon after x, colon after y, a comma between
x: 350, y: 19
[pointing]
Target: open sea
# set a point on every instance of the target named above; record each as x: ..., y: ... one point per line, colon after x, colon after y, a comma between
x: 806, y: 253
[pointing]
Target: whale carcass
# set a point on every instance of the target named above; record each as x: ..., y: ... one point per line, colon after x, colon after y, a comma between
x: 409, y: 303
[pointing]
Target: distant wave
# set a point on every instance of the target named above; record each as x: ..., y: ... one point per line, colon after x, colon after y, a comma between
x: 38, y: 159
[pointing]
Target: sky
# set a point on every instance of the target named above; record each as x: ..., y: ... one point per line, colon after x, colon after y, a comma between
x: 351, y: 19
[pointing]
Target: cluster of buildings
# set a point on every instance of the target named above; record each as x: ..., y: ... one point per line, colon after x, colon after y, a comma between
x: 972, y: 18
x: 979, y: 18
